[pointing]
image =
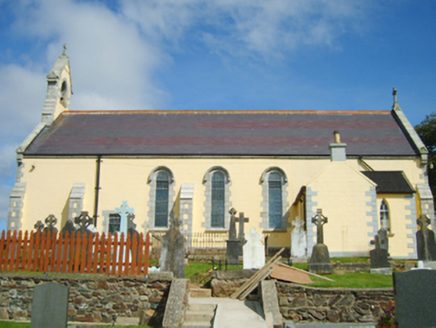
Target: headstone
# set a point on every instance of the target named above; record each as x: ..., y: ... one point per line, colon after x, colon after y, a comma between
x: 69, y: 226
x: 379, y: 255
x: 425, y: 239
x: 50, y: 222
x: 172, y: 256
x: 49, y: 306
x: 254, y: 251
x: 124, y: 211
x: 84, y: 221
x: 39, y: 226
x: 298, y: 239
x: 415, y: 298
x: 233, y: 244
x: 320, y: 260
x: 241, y: 220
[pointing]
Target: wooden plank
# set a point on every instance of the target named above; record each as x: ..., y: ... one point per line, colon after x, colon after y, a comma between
x: 72, y: 258
x: 120, y: 255
x: 140, y: 254
x: 25, y: 251
x: 253, y: 278
x: 307, y: 272
x: 84, y: 250
x: 106, y: 244
x: 30, y: 251
x: 54, y: 250
x: 114, y: 254
x: 147, y: 253
x: 286, y: 273
x: 127, y: 258
x: 98, y: 252
x: 262, y: 276
x: 36, y: 246
x: 91, y: 249
x: 59, y: 250
x: 12, y: 251
x: 78, y: 247
x: 19, y: 248
x: 2, y: 249
x: 66, y: 247
x: 134, y: 254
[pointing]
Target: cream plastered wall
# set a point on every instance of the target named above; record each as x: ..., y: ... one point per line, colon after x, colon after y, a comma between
x: 48, y: 187
x: 342, y: 195
x: 400, y: 216
x: 49, y: 183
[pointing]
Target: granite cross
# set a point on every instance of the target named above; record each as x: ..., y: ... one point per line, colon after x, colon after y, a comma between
x: 50, y: 221
x: 232, y: 230
x: 319, y: 220
x: 84, y: 221
x: 39, y: 225
x: 241, y: 220
x: 124, y: 211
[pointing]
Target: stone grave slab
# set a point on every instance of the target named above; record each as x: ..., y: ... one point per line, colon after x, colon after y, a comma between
x: 298, y: 239
x: 172, y: 257
x: 50, y: 306
x: 253, y: 250
x: 415, y: 298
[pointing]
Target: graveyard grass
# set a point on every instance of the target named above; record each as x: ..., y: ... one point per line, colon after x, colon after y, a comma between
x: 10, y: 324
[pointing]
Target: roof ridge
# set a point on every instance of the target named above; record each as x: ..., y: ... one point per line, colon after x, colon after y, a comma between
x: 239, y: 111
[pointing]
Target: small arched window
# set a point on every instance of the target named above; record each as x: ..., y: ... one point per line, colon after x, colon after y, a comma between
x: 218, y: 200
x: 275, y: 200
x: 385, y: 220
x: 161, y: 201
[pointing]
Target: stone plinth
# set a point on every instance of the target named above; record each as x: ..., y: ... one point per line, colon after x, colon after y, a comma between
x: 320, y: 261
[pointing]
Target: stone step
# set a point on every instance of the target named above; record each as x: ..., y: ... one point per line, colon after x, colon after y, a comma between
x: 200, y: 292
x: 199, y: 315
x: 202, y: 307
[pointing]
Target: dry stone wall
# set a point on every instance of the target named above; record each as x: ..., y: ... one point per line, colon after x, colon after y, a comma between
x: 300, y: 303
x: 91, y: 299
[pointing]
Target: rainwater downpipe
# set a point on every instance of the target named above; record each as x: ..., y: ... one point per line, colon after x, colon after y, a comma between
x: 97, y: 188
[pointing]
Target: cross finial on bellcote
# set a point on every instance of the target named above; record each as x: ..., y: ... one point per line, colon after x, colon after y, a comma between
x: 65, y: 49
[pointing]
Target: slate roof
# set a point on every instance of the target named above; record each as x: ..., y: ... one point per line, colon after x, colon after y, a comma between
x: 390, y: 182
x: 221, y: 133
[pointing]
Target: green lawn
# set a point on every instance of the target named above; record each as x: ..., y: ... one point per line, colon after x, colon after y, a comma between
x: 9, y: 324
x: 354, y: 280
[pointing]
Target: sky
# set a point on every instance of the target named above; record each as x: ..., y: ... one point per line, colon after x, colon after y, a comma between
x: 213, y: 54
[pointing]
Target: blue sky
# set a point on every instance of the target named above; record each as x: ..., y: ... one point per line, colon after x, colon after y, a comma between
x: 210, y: 54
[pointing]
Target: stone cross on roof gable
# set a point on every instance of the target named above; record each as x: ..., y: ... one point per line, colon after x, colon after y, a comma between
x: 319, y: 220
x: 241, y: 220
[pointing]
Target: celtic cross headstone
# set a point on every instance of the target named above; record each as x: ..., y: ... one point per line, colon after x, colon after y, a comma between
x: 379, y: 255
x: 125, y: 211
x: 234, y: 246
x: 51, y: 221
x: 39, y: 225
x: 320, y: 260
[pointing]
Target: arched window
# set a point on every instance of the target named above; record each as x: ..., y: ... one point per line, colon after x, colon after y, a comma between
x: 217, y: 204
x: 218, y: 193
x: 160, y: 202
x: 161, y: 205
x: 275, y: 200
x: 385, y: 221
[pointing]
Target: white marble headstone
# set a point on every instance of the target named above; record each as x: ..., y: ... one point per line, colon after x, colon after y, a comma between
x: 298, y: 239
x: 254, y: 250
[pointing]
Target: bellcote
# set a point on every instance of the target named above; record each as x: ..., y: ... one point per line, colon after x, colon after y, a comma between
x: 59, y: 89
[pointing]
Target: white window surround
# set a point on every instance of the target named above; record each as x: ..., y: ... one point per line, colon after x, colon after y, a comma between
x: 264, y: 224
x: 152, y: 197
x: 207, y: 182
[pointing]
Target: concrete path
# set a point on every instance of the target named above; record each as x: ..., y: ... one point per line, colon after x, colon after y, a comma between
x: 234, y: 313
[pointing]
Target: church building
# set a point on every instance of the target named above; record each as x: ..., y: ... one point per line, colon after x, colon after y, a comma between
x: 365, y: 170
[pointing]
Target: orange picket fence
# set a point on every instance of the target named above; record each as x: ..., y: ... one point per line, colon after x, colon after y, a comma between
x: 75, y: 252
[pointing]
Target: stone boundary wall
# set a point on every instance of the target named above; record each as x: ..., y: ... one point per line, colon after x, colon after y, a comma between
x: 91, y: 299
x: 301, y: 303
